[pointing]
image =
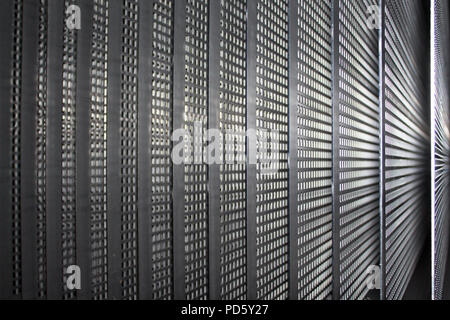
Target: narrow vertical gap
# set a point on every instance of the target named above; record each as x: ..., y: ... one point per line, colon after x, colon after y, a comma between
x: 293, y: 150
x: 335, y: 126
x: 251, y: 167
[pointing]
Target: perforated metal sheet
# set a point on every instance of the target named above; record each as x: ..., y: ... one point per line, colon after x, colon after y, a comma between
x: 98, y: 145
x: 407, y: 142
x: 128, y: 151
x: 161, y: 149
x: 313, y: 147
x: 356, y: 148
x: 15, y: 125
x: 196, y: 175
x: 41, y: 152
x: 68, y: 151
x: 440, y: 139
x: 272, y: 115
x: 232, y: 118
x: 86, y: 171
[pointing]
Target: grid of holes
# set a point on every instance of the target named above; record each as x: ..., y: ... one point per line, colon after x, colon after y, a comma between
x: 41, y: 149
x: 161, y: 166
x: 98, y: 145
x: 272, y: 116
x: 407, y: 142
x: 196, y: 175
x: 441, y: 147
x: 232, y: 92
x: 358, y: 148
x: 314, y: 143
x: 68, y: 152
x: 128, y: 152
x: 16, y: 106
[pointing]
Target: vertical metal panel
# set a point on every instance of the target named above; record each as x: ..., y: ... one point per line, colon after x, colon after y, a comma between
x: 82, y: 102
x: 228, y: 74
x: 311, y: 109
x: 122, y: 150
x: 54, y: 155
x: 214, y: 214
x: 356, y: 148
x: 15, y: 136
x: 251, y: 167
x: 128, y: 148
x: 162, y: 89
x: 144, y: 149
x: 440, y: 143
x: 113, y: 150
x: 196, y: 174
x: 28, y: 149
x: 178, y: 169
x: 382, y: 98
x: 335, y: 150
x: 407, y: 142
x: 41, y: 152
x: 272, y: 77
x: 6, y: 41
x: 231, y: 61
x: 294, y: 19
x: 68, y: 150
x: 98, y: 113
x: 191, y: 111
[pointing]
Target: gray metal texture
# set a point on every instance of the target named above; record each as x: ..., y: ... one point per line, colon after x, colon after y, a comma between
x: 440, y: 143
x: 355, y: 148
x: 87, y: 175
x: 311, y: 148
x: 406, y: 149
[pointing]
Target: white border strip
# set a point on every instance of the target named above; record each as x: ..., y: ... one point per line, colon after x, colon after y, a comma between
x: 433, y: 144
